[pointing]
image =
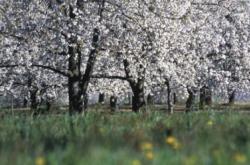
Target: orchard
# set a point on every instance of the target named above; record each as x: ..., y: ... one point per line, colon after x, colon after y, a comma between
x: 186, y: 46
x: 137, y: 56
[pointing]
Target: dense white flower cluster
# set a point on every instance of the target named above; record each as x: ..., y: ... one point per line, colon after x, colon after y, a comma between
x: 119, y: 46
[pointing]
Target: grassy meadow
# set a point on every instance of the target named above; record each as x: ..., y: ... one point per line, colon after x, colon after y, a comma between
x: 197, y: 138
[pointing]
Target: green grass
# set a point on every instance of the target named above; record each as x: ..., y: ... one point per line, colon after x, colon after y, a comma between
x: 205, y: 138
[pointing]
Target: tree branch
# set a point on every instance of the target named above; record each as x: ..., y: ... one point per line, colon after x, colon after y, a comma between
x: 51, y: 68
x: 109, y: 77
x: 38, y: 66
x: 8, y: 66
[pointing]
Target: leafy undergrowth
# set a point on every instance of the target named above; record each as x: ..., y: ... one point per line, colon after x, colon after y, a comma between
x: 197, y: 138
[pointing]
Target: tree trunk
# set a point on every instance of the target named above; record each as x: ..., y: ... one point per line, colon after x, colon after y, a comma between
x: 190, y: 103
x: 75, y: 96
x: 85, y: 78
x: 232, y: 98
x: 78, y: 82
x: 25, y: 103
x: 138, y: 100
x: 33, y: 100
x: 48, y: 105
x: 33, y: 95
x: 205, y: 97
x: 86, y: 102
x: 202, y: 98
x: 169, y: 98
x: 209, y: 97
x: 101, y: 98
x: 175, y: 99
x: 150, y: 99
x: 113, y: 103
x: 75, y: 86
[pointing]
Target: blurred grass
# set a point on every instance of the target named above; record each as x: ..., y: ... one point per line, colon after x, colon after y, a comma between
x: 208, y: 138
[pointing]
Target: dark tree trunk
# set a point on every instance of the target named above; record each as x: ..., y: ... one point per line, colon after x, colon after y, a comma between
x: 232, y: 98
x: 48, y: 105
x: 33, y: 95
x: 138, y: 100
x: 169, y: 99
x: 86, y: 102
x: 190, y: 103
x: 209, y: 97
x: 75, y: 86
x: 75, y: 83
x: 175, y: 99
x: 101, y: 98
x: 25, y: 103
x: 205, y: 97
x: 75, y: 96
x: 202, y: 98
x: 78, y: 83
x: 113, y: 103
x: 33, y: 100
x: 150, y: 99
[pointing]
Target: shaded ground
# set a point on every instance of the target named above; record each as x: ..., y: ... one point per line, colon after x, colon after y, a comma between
x: 239, y: 107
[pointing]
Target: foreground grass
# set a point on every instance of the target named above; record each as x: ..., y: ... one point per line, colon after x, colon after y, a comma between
x: 198, y: 138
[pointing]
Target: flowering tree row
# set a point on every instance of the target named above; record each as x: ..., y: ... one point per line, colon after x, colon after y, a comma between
x: 115, y: 46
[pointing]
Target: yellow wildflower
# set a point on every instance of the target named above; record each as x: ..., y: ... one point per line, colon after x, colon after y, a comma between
x: 210, y: 123
x: 40, y: 161
x: 171, y: 140
x: 240, y: 158
x: 149, y: 155
x: 176, y: 145
x: 146, y: 146
x: 136, y: 162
